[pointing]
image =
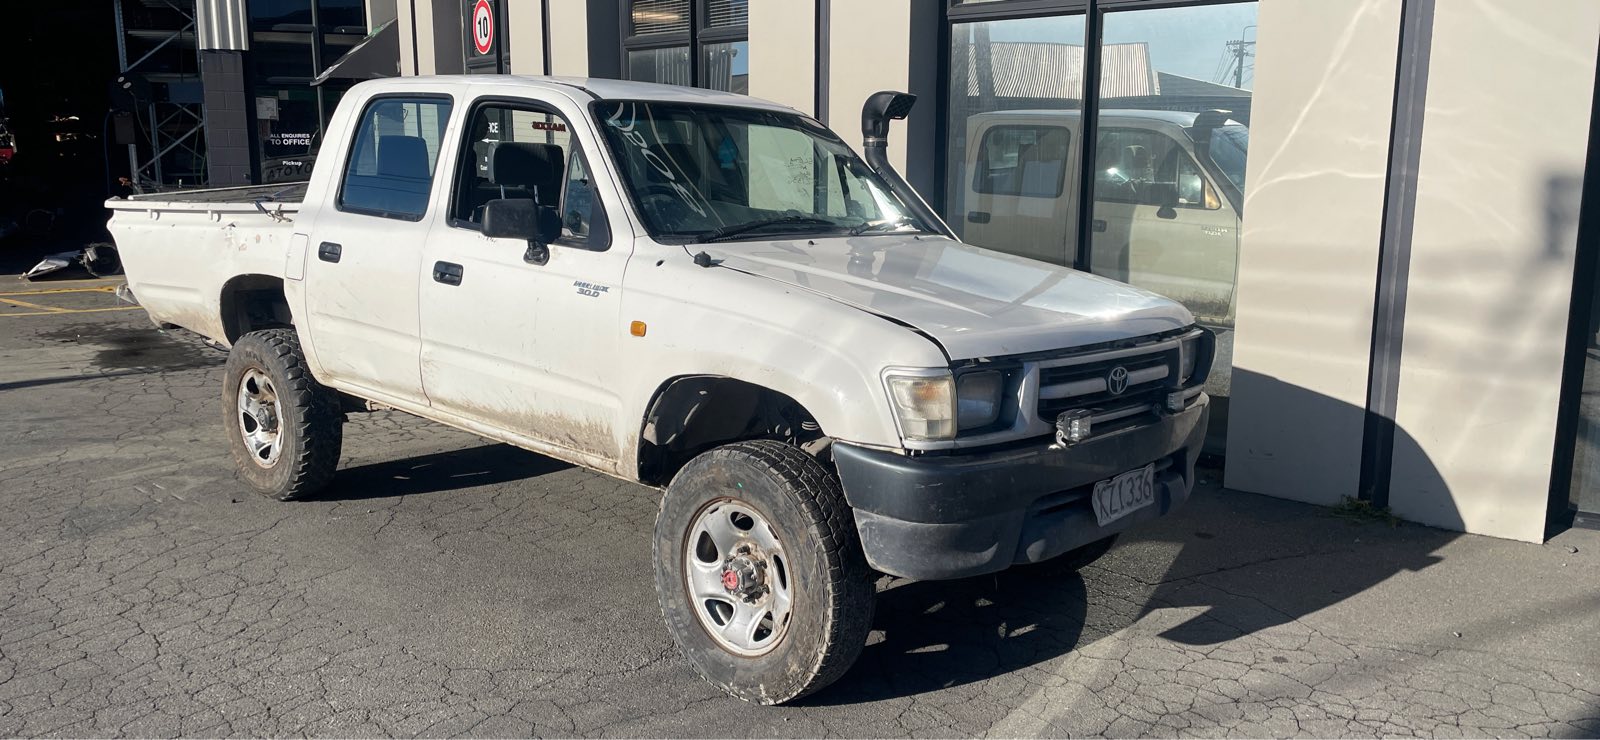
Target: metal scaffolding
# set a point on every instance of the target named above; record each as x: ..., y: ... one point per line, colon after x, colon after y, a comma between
x: 163, y: 81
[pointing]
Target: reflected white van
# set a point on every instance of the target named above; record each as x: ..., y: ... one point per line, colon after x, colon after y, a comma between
x: 1167, y: 202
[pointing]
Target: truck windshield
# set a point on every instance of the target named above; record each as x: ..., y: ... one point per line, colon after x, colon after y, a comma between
x: 1229, y: 145
x: 714, y: 173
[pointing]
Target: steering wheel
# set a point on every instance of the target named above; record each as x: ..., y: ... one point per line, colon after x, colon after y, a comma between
x: 664, y: 202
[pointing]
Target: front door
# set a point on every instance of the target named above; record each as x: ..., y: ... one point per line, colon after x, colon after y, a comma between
x: 1160, y: 224
x: 366, y: 249
x: 508, y: 342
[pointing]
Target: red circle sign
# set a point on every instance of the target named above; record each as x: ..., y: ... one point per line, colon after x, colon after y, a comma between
x: 483, y: 27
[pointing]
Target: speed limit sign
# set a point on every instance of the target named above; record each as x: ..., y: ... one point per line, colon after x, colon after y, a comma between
x: 483, y: 27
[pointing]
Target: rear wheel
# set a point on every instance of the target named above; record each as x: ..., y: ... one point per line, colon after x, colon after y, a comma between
x: 760, y: 575
x: 284, y: 428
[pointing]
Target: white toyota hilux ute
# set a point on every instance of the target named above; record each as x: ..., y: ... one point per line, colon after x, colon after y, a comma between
x: 705, y: 293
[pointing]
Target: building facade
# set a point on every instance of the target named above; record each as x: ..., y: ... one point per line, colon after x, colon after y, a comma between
x: 1382, y: 206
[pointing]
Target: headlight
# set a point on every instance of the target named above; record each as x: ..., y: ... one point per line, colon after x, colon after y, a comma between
x: 924, y: 404
x: 1191, y: 355
x: 978, y: 399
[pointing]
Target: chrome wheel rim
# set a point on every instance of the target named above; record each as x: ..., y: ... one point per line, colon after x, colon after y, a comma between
x: 738, y: 578
x: 260, y: 417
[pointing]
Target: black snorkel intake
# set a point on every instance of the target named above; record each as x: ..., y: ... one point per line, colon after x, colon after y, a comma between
x: 881, y: 108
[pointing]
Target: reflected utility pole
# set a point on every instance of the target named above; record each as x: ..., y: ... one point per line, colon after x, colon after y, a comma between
x: 1241, y: 49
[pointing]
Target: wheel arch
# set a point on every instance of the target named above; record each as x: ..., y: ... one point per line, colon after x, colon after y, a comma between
x: 251, y: 302
x: 689, y: 414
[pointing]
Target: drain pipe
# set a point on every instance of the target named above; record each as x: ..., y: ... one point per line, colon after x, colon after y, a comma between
x: 881, y: 108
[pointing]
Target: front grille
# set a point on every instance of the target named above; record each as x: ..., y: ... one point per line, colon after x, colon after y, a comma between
x: 1084, y: 385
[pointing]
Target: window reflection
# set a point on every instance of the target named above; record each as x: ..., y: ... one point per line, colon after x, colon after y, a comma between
x: 1169, y: 163
x: 291, y: 42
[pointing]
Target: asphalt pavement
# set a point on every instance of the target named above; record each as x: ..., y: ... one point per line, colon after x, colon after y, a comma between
x: 447, y: 585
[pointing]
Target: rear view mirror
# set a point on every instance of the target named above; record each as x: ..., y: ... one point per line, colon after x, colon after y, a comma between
x: 522, y: 218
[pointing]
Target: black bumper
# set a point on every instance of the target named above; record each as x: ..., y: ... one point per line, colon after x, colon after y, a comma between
x: 964, y: 514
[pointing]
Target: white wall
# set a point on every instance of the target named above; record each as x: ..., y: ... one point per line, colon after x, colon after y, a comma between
x: 870, y: 50
x: 1308, y: 262
x: 525, y: 36
x: 783, y: 58
x: 569, y: 38
x: 1504, y: 140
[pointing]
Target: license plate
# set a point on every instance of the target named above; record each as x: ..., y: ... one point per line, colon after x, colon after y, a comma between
x: 1124, y: 494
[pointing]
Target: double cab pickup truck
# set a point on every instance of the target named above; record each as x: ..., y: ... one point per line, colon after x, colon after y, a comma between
x: 708, y: 294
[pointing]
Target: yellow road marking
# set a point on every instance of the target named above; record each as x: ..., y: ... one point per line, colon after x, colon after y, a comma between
x: 25, y: 304
x: 60, y: 311
x: 100, y: 289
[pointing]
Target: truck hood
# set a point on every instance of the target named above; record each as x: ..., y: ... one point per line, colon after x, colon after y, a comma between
x: 974, y: 302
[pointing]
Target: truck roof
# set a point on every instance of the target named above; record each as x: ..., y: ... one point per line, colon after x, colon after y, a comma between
x: 1178, y: 117
x: 595, y: 87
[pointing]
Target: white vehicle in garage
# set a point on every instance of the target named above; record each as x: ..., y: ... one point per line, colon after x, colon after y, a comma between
x: 702, y: 292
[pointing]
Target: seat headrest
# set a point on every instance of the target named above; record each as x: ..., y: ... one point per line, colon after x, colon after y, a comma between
x: 529, y: 165
x: 403, y: 156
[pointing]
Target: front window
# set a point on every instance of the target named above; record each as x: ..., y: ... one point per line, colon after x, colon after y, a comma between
x: 1229, y: 147
x: 708, y: 173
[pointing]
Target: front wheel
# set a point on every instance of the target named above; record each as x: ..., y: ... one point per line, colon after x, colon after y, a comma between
x: 284, y: 428
x: 761, y: 577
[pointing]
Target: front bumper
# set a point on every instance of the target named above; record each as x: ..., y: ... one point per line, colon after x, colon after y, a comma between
x: 950, y: 516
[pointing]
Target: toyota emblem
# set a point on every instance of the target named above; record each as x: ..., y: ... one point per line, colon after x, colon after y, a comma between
x: 1117, y: 380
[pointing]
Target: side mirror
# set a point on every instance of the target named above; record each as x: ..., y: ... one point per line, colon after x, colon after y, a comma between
x: 522, y: 218
x: 1165, y: 195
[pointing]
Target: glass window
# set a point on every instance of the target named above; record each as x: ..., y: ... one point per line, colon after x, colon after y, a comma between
x: 702, y: 172
x: 1016, y: 88
x: 659, y: 16
x: 668, y: 65
x: 1030, y: 161
x: 726, y: 66
x: 668, y: 44
x: 392, y: 160
x: 286, y: 52
x: 1147, y: 167
x: 520, y: 153
x: 1170, y: 161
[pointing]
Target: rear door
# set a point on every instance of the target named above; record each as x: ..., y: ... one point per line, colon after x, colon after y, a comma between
x: 365, y: 249
x: 508, y: 342
x: 1019, y: 195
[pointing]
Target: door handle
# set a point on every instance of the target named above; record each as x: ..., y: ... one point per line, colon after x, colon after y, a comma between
x: 448, y: 273
x: 329, y: 252
x: 978, y: 217
x: 1099, y: 225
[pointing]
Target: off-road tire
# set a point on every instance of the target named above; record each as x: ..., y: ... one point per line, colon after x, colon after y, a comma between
x: 833, y: 594
x: 311, y: 426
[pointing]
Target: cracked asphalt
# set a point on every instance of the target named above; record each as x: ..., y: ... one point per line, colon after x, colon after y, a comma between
x: 450, y: 586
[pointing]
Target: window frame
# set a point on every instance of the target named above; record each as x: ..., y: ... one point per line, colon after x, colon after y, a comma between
x: 598, y: 239
x: 355, y: 140
x: 1093, y: 12
x: 696, y: 38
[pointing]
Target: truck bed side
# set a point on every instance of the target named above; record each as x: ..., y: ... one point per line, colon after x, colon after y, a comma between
x: 180, y: 251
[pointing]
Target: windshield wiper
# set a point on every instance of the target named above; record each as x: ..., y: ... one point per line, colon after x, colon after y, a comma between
x: 893, y: 223
x: 761, y: 223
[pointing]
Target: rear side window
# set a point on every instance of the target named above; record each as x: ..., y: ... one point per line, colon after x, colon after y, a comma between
x: 390, y: 168
x: 1030, y: 161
